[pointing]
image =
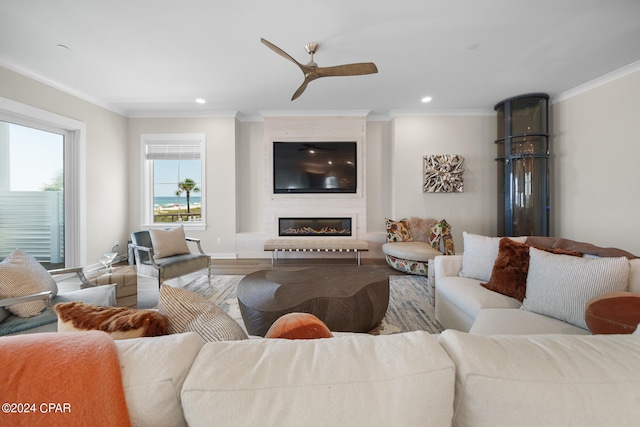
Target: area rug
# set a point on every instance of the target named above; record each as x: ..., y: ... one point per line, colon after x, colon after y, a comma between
x: 409, y: 309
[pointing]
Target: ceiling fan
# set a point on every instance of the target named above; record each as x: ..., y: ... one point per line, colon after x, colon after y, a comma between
x: 311, y: 70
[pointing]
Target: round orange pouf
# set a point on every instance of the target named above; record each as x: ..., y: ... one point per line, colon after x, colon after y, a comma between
x: 613, y: 313
x: 298, y: 326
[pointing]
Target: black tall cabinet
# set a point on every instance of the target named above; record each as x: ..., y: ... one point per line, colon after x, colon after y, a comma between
x: 523, y: 165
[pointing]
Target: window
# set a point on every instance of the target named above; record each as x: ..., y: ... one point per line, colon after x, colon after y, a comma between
x: 41, y: 195
x: 173, y: 179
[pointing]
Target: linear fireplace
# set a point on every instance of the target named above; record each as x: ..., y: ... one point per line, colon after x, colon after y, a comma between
x: 314, y: 226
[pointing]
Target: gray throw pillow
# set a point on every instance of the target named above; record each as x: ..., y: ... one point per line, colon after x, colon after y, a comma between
x: 169, y: 242
x: 189, y: 312
x: 560, y: 286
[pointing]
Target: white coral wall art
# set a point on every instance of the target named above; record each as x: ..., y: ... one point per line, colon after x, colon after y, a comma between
x: 443, y: 173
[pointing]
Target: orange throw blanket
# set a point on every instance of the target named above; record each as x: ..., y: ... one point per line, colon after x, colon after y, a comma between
x: 61, y: 379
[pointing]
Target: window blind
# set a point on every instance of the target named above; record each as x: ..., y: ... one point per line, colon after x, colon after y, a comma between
x: 172, y: 150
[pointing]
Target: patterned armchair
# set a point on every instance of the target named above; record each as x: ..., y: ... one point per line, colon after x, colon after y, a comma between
x: 412, y: 243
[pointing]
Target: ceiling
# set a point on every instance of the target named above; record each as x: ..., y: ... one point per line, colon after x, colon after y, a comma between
x: 155, y: 57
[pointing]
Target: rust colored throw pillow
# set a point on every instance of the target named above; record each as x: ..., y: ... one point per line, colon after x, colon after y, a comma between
x: 613, y: 313
x: 119, y: 322
x: 509, y: 274
x: 510, y: 270
x: 298, y: 326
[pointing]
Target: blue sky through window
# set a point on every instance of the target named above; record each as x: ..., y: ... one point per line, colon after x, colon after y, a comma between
x: 168, y: 173
x: 37, y: 157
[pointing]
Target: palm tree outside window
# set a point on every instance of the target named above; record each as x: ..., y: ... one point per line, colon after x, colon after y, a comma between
x: 174, y: 177
x: 188, y: 186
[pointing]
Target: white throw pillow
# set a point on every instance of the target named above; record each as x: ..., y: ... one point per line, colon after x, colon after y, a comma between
x: 153, y: 371
x: 480, y: 253
x: 20, y: 275
x: 168, y: 243
x: 189, y: 312
x: 560, y: 286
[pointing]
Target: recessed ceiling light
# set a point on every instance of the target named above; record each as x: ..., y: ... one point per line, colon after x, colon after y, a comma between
x: 201, y: 101
x: 426, y: 99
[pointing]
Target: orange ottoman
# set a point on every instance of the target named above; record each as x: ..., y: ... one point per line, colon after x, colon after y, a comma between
x: 613, y: 313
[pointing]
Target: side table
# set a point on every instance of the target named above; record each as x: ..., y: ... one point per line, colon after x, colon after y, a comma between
x: 126, y: 281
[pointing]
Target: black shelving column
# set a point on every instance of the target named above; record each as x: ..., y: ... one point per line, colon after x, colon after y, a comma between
x: 523, y: 165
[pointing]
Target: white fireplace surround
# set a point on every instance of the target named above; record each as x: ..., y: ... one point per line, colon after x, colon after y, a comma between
x: 342, y: 205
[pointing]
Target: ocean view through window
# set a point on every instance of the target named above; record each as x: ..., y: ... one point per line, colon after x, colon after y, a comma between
x: 173, y: 178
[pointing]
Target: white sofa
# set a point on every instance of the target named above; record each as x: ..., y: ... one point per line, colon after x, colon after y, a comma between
x: 407, y: 379
x: 461, y: 303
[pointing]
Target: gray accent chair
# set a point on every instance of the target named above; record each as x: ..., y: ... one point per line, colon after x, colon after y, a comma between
x: 169, y: 267
x: 47, y: 321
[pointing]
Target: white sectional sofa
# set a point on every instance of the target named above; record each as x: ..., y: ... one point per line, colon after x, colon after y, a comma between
x: 461, y: 303
x: 408, y: 379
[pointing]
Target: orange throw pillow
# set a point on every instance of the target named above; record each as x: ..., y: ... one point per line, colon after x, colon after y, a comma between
x: 510, y: 270
x: 613, y: 313
x: 298, y: 326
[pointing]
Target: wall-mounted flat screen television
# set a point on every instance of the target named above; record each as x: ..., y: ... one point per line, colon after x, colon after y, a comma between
x: 314, y: 167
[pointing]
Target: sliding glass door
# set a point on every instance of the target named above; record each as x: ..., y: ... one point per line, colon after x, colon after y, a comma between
x: 32, y: 199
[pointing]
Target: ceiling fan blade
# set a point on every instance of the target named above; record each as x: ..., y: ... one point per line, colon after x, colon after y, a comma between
x: 347, y: 70
x: 281, y: 52
x: 301, y: 89
x: 311, y: 71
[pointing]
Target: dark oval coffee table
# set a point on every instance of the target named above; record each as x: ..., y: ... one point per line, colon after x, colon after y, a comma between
x: 346, y: 299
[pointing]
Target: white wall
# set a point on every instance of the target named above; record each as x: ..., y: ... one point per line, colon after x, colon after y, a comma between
x: 379, y: 171
x: 220, y: 135
x: 106, y: 158
x: 250, y: 177
x: 471, y: 136
x: 595, y: 174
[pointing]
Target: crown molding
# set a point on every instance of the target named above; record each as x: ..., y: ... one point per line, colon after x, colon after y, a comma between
x: 597, y: 82
x: 404, y: 113
x: 314, y: 113
x: 183, y: 114
x: 69, y: 91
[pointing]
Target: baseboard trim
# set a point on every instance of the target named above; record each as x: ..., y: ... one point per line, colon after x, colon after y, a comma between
x: 222, y: 255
